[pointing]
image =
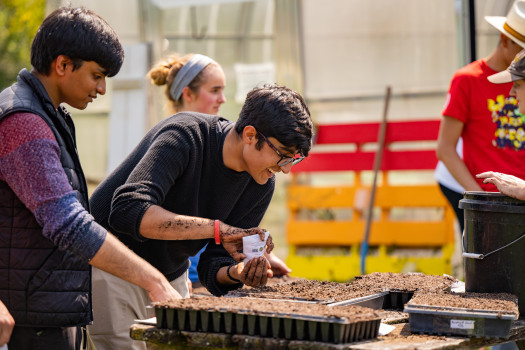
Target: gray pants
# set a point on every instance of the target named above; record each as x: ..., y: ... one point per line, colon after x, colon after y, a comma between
x: 116, y: 304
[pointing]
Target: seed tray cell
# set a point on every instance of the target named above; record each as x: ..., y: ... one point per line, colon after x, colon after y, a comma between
x: 396, y: 300
x: 288, y: 326
x: 458, y: 321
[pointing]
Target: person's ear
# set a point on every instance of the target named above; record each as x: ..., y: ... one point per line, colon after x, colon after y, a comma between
x: 187, y: 94
x: 248, y: 134
x: 60, y: 64
x: 505, y: 40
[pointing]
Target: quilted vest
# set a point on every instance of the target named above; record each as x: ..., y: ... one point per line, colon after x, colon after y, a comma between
x: 39, y: 284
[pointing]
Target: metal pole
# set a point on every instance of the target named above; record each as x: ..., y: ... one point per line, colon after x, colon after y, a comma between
x: 472, y: 29
x: 377, y: 165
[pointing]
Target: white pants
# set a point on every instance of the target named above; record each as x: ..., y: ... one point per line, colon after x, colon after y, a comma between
x: 116, y: 304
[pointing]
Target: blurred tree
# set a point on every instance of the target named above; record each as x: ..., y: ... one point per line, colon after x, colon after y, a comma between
x: 19, y: 21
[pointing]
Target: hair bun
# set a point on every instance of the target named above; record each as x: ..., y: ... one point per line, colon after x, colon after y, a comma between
x: 159, y: 73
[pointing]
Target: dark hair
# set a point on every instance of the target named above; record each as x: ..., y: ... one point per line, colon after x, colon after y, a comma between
x: 279, y: 112
x: 80, y: 34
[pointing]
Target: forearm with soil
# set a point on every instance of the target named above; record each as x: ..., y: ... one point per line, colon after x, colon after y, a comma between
x: 159, y: 223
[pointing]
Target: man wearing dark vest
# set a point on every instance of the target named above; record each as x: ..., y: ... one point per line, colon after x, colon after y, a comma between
x: 48, y: 239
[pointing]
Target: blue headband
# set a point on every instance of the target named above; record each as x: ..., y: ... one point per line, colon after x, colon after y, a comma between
x: 187, y: 73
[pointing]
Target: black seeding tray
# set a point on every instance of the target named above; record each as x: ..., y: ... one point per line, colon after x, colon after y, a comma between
x: 458, y: 321
x: 373, y: 301
x: 277, y: 325
x: 396, y: 300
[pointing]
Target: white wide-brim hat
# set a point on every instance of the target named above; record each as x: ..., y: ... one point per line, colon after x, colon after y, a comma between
x: 513, y: 25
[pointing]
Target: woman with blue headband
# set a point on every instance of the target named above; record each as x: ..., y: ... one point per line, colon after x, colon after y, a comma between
x: 194, y: 83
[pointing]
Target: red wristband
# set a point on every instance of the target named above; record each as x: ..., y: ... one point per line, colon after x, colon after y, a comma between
x: 217, y: 236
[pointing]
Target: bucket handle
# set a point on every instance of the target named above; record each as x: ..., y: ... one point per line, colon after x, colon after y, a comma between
x: 483, y: 256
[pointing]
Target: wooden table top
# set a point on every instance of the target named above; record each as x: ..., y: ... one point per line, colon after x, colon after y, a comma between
x: 399, y: 338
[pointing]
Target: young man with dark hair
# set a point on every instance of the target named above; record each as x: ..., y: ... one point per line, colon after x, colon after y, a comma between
x: 48, y: 239
x: 193, y: 180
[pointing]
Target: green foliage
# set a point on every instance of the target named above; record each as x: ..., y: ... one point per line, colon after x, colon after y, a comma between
x: 19, y: 21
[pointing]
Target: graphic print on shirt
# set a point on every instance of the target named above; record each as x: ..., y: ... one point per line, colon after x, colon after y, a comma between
x: 510, y: 123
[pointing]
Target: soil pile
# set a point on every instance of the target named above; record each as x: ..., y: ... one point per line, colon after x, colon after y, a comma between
x: 500, y: 302
x: 404, y: 282
x: 323, y: 291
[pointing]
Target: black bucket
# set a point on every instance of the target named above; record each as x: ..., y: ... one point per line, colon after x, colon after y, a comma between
x: 493, y: 247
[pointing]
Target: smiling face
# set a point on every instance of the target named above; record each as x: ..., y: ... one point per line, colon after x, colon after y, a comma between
x: 261, y: 163
x: 211, y: 94
x: 518, y: 91
x: 81, y: 86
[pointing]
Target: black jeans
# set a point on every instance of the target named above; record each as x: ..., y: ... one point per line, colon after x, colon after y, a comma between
x: 45, y: 338
x: 453, y: 198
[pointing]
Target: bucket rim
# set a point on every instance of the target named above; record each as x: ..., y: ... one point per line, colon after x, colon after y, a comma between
x: 486, y: 193
x: 492, y: 198
x: 498, y: 207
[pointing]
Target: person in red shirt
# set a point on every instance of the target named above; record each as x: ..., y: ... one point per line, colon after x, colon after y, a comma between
x: 482, y: 114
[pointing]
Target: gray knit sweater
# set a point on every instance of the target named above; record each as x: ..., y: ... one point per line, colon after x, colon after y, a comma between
x: 178, y: 165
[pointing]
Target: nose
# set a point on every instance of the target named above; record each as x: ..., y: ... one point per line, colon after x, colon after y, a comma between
x: 286, y: 168
x: 101, y: 86
x: 222, y: 98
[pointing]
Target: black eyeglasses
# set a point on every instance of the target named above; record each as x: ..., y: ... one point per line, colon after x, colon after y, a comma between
x: 285, y: 160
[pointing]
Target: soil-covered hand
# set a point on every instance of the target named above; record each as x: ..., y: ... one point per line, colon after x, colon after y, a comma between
x: 256, y: 272
x: 231, y: 239
x: 270, y: 245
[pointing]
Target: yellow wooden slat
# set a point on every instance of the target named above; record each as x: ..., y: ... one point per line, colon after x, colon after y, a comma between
x: 410, y: 196
x: 307, y: 197
x: 403, y: 233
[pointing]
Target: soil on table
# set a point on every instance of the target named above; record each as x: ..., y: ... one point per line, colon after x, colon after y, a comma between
x: 404, y: 282
x: 253, y: 306
x: 500, y: 302
x: 200, y: 290
x: 324, y: 291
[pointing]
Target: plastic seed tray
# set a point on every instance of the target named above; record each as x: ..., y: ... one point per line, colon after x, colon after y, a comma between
x: 284, y: 299
x: 396, y: 300
x: 277, y: 325
x: 459, y: 321
x: 373, y: 301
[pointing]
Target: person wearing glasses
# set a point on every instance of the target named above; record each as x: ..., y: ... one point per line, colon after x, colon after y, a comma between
x: 196, y: 83
x: 195, y: 180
